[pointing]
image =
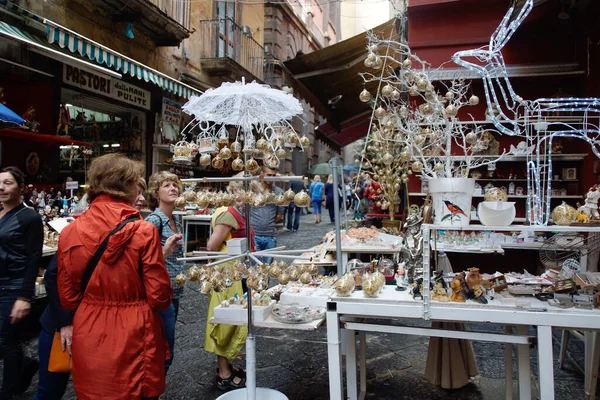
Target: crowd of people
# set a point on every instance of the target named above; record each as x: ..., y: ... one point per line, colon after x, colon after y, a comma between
x: 111, y: 288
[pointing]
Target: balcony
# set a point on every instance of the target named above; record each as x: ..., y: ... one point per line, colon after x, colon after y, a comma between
x: 165, y: 22
x: 230, y: 51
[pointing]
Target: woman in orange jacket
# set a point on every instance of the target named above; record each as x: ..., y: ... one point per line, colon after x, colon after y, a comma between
x: 119, y: 347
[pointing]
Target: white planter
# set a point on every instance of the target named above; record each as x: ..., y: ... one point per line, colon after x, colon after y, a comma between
x: 451, y: 200
x: 496, y: 213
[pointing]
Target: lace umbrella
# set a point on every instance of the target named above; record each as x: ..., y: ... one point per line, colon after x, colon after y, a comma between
x: 244, y: 105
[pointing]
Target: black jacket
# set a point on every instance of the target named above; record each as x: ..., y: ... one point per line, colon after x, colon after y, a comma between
x: 21, y: 240
x: 54, y: 316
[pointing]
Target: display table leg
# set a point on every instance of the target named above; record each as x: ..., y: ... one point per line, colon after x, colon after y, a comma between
x: 508, y: 365
x: 334, y: 356
x: 545, y: 362
x: 564, y: 341
x: 524, y: 360
x: 350, y: 343
x: 362, y: 337
x: 344, y: 261
x: 591, y: 385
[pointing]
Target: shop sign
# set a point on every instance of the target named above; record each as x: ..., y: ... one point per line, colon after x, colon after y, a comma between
x: 171, y: 111
x: 101, y: 84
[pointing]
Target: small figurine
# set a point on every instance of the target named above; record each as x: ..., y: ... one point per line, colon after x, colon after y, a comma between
x: 590, y: 208
x: 476, y: 294
x: 557, y: 146
x: 64, y: 119
x: 439, y: 293
x: 30, y: 123
x: 417, y: 289
x: 458, y: 293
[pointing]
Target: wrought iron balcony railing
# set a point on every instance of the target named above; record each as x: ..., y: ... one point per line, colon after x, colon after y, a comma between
x: 226, y: 39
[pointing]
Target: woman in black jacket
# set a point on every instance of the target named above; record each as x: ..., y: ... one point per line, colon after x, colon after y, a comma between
x: 21, y: 239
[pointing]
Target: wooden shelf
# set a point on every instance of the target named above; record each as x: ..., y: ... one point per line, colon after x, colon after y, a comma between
x: 524, y: 196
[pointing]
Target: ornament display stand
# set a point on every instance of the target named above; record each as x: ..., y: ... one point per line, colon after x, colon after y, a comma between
x: 251, y: 392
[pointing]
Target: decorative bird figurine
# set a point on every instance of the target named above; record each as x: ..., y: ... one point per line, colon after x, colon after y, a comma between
x: 454, y: 209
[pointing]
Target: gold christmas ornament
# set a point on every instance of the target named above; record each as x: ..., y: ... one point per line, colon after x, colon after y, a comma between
x: 237, y: 164
x: 205, y: 159
x: 407, y: 64
x: 180, y: 202
x: 404, y: 155
x: 414, y: 90
x: 471, y: 137
x: 564, y: 214
x: 302, y: 199
x: 371, y: 57
x: 438, y: 167
x: 261, y: 144
x: 387, y: 158
x: 368, y: 63
x: 378, y: 63
x: 180, y: 280
x: 395, y: 95
x: 289, y: 195
x: 495, y: 194
x: 235, y: 147
x: 190, y: 196
x: 280, y: 153
x: 217, y: 162
x: 194, y: 273
x: 473, y: 100
x: 225, y: 153
x: 305, y: 278
x: 305, y: 141
x: 260, y: 200
x: 284, y: 278
x: 275, y: 271
x: 451, y: 110
x: 380, y: 112
x: 417, y: 166
x: 373, y: 48
x: 364, y: 96
x: 422, y: 84
x: 206, y: 287
x: 449, y: 95
x: 387, y: 90
x: 251, y: 164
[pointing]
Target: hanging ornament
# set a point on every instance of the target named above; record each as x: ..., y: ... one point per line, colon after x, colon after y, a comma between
x: 373, y: 48
x: 251, y: 164
x: 422, y: 84
x: 237, y: 164
x: 380, y: 112
x: 417, y: 166
x: 235, y: 147
x: 407, y: 64
x: 261, y: 144
x: 304, y: 141
x: 280, y: 153
x: 378, y: 63
x: 471, y: 137
x: 414, y: 90
x: 217, y: 162
x: 449, y: 95
x: 364, y: 96
x: 395, y: 95
x: 387, y: 90
x: 451, y: 110
x: 368, y: 63
x: 473, y: 100
x: 225, y: 153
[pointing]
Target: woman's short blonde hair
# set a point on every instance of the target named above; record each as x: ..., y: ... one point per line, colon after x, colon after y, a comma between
x: 155, y: 182
x: 114, y: 175
x: 316, y: 178
x: 142, y: 183
x: 330, y: 178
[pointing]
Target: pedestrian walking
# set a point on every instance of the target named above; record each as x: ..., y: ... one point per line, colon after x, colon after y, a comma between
x: 316, y: 196
x: 226, y: 341
x: 163, y: 189
x: 263, y: 219
x: 21, y: 240
x: 293, y: 210
x: 118, y: 344
x: 330, y: 192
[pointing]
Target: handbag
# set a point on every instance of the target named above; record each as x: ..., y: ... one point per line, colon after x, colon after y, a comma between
x: 60, y: 360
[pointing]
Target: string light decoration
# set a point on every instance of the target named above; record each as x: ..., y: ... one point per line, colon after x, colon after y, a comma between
x: 416, y: 120
x: 539, y: 121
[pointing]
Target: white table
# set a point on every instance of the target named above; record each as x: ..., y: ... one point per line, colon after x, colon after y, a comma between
x: 271, y: 322
x: 342, y: 312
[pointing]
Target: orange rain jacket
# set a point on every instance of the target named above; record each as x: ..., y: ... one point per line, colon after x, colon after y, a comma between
x: 119, y: 345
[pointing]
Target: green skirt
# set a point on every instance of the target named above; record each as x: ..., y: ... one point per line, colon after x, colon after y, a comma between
x: 224, y: 340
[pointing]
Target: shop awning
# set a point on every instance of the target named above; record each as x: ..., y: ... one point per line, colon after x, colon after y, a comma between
x: 64, y: 40
x: 41, y: 138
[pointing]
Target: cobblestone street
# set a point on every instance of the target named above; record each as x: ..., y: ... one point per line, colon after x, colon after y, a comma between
x: 295, y: 363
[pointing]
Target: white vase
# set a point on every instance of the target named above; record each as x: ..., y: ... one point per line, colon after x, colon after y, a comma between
x: 451, y: 200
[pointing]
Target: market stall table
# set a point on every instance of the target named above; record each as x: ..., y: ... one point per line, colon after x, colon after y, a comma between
x: 342, y: 312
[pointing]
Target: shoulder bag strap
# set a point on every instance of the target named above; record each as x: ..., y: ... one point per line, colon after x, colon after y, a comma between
x: 89, y: 270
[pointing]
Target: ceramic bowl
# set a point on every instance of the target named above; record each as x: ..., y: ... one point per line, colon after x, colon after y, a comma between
x: 496, y: 213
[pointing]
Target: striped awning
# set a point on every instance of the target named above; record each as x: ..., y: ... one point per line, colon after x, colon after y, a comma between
x: 105, y: 56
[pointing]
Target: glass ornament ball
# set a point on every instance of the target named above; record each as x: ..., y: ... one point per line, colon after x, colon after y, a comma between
x: 417, y: 166
x: 564, y: 214
x: 395, y: 95
x: 235, y: 147
x: 368, y: 63
x: 473, y: 100
x: 217, y: 162
x: 251, y: 164
x: 373, y: 47
x: 364, y: 96
x: 280, y: 153
x: 496, y: 194
x: 261, y: 144
x: 438, y: 167
x: 449, y: 95
x: 387, y: 90
x: 289, y: 195
x: 302, y: 199
x: 225, y: 153
x: 237, y: 164
x: 414, y: 90
x: 378, y: 63
x: 189, y: 196
x: 451, y: 110
x: 205, y: 159
x: 304, y: 141
x: 422, y: 84
x: 404, y: 155
x: 371, y: 57
x: 380, y: 112
x: 180, y: 202
x: 471, y: 137
x: 407, y: 64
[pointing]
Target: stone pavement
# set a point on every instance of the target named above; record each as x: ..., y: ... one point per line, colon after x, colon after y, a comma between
x: 295, y: 363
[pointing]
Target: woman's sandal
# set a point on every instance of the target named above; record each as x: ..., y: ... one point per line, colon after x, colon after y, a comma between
x: 226, y: 384
x: 236, y: 371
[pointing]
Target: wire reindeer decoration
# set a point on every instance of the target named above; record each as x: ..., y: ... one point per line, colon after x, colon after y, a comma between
x: 534, y: 120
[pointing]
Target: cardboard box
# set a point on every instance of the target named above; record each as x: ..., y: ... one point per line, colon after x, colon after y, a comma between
x: 237, y: 246
x: 239, y: 313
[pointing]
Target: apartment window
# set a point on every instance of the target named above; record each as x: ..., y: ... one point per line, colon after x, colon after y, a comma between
x: 226, y: 39
x: 178, y: 10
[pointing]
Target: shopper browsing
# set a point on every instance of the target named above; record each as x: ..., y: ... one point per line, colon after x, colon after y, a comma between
x: 293, y: 216
x: 117, y: 332
x: 163, y: 188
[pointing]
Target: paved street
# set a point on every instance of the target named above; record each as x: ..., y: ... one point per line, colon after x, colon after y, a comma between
x: 295, y: 363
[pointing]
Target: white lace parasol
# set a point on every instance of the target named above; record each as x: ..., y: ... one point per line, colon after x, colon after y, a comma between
x: 244, y: 105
